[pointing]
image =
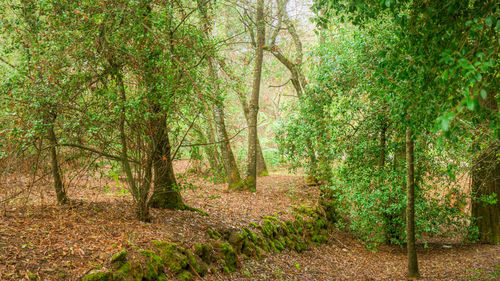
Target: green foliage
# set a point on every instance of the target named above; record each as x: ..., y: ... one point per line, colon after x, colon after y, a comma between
x: 368, y: 85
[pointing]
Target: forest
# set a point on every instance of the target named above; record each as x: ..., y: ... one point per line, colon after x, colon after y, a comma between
x: 249, y: 140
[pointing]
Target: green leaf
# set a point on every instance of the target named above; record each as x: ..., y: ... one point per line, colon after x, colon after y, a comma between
x: 489, y: 21
x: 483, y: 94
x: 472, y: 104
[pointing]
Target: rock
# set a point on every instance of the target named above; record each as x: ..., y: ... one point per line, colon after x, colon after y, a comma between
x: 197, y: 263
x: 185, y: 276
x: 227, y: 254
x: 236, y: 239
x: 98, y: 275
x: 171, y: 255
x: 119, y: 257
x: 153, y: 265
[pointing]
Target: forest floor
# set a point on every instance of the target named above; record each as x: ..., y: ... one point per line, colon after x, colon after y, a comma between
x: 42, y: 239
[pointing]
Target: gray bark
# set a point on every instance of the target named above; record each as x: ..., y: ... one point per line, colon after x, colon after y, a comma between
x: 251, y: 179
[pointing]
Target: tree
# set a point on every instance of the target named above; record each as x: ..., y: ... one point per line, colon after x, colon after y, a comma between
x: 251, y: 178
x: 232, y: 171
x: 410, y: 207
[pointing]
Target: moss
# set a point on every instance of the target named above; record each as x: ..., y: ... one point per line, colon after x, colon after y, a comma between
x: 129, y: 271
x: 198, y: 249
x: 185, y: 276
x: 271, y: 218
x: 299, y: 225
x: 319, y: 238
x: 197, y: 263
x: 320, y: 223
x: 32, y: 276
x: 153, y: 266
x: 204, y: 251
x: 214, y: 234
x: 250, y: 249
x: 254, y: 225
x: 264, y: 173
x: 227, y: 254
x: 268, y: 228
x: 162, y: 277
x: 279, y: 246
x: 290, y: 227
x: 288, y: 243
x: 250, y: 234
x: 98, y: 276
x: 119, y: 257
x: 171, y: 255
x: 272, y: 246
x: 236, y: 239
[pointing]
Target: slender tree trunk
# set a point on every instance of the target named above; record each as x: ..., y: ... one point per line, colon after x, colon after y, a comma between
x: 410, y: 207
x: 383, y: 149
x: 232, y: 172
x: 141, y: 207
x: 211, y: 153
x: 251, y: 179
x: 261, y: 162
x: 56, y: 170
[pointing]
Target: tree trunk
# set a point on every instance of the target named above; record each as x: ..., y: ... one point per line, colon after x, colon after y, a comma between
x: 410, y: 207
x: 232, y: 172
x: 251, y: 180
x: 486, y: 182
x: 56, y: 171
x: 166, y: 194
x: 142, y: 210
x: 261, y: 162
x: 383, y: 149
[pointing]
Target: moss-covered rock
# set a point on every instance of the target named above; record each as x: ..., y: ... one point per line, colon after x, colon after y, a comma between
x: 236, y: 239
x: 269, y: 228
x: 185, y: 276
x: 98, y: 275
x: 197, y: 263
x: 319, y: 238
x: 171, y: 255
x: 279, y: 245
x: 119, y: 257
x: 250, y: 234
x: 214, y: 234
x: 162, y: 277
x: 153, y: 265
x: 205, y: 252
x: 129, y: 271
x: 227, y: 254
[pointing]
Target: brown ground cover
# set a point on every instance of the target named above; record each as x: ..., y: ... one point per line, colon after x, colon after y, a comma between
x: 63, y: 243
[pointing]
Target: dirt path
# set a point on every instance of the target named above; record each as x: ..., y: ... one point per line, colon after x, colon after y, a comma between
x: 62, y: 243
